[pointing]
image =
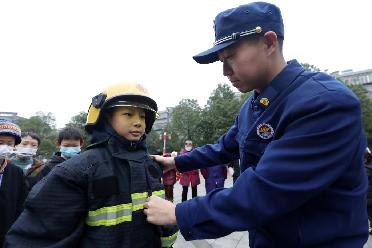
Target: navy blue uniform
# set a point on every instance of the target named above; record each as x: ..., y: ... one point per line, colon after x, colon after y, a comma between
x: 303, y: 184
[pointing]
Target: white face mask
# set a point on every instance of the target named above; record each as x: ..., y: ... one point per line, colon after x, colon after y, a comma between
x: 5, y: 151
x: 188, y: 148
x: 26, y: 151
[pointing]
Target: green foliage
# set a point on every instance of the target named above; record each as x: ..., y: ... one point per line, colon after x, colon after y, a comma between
x: 310, y: 67
x: 153, y: 142
x: 44, y: 126
x: 205, y: 125
x: 79, y: 121
x: 219, y: 113
x: 366, y: 104
x: 184, y: 123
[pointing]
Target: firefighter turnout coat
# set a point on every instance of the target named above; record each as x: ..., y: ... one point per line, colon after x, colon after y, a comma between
x: 95, y: 200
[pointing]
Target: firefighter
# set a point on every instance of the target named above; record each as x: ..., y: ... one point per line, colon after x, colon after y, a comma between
x: 95, y: 199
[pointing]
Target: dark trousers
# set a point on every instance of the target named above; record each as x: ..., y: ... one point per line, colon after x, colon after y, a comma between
x: 168, y: 192
x: 194, y: 192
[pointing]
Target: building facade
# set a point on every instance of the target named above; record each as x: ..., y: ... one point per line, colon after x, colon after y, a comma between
x: 356, y: 78
x: 163, y: 119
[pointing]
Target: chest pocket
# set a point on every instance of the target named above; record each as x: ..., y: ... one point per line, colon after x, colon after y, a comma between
x: 251, y: 151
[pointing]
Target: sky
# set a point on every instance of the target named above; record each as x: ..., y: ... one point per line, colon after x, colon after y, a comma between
x: 56, y: 55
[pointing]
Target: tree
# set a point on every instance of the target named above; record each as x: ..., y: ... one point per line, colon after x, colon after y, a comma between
x: 184, y: 122
x: 219, y: 113
x: 366, y: 104
x: 79, y: 121
x: 153, y: 142
x: 43, y: 125
x: 310, y: 67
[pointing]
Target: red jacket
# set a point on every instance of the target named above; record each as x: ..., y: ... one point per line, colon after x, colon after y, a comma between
x: 191, y: 176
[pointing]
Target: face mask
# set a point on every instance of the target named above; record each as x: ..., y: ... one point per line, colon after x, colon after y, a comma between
x: 5, y: 151
x: 26, y: 152
x: 188, y: 148
x: 23, y: 164
x: 69, y: 152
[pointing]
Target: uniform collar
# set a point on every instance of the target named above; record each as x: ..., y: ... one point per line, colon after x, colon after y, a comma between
x: 277, y: 85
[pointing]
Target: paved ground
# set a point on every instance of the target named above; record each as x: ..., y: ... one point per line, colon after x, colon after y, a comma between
x: 234, y: 240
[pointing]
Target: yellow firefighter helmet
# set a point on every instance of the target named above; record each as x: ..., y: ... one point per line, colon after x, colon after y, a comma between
x: 121, y: 94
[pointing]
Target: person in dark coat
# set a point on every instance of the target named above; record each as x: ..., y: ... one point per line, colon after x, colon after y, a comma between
x: 368, y: 165
x: 25, y: 158
x: 12, y: 183
x: 214, y: 176
x: 96, y: 198
x: 69, y: 143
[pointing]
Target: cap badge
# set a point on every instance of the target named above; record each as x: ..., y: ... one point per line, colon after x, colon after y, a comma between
x: 265, y: 131
x: 264, y: 101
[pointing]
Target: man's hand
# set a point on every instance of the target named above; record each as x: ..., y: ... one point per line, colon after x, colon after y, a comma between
x: 160, y: 211
x: 167, y: 163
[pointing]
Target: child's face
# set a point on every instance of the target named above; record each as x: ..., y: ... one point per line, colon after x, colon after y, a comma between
x: 129, y: 122
x: 7, y: 140
x: 70, y: 143
x: 28, y: 141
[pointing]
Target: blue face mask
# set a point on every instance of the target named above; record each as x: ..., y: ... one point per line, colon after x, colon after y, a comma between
x: 69, y: 152
x: 23, y: 164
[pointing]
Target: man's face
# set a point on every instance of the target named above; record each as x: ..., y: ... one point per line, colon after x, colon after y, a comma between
x: 245, y: 64
x: 129, y: 122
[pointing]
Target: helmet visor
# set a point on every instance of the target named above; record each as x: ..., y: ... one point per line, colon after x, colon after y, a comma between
x: 130, y: 104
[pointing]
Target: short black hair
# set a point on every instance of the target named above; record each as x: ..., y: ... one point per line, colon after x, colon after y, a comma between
x: 32, y: 135
x: 70, y: 133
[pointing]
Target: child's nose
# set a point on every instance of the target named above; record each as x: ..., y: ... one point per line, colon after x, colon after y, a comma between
x: 138, y: 120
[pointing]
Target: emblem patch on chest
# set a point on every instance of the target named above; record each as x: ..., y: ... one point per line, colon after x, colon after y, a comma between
x: 265, y: 131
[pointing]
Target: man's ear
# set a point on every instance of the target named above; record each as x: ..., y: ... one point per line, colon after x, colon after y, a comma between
x: 271, y: 41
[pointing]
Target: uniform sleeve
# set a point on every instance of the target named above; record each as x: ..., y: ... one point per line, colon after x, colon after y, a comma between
x: 53, y: 214
x: 168, y: 235
x: 320, y: 139
x: 225, y: 150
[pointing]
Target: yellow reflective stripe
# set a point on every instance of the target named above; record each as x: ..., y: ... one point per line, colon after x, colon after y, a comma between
x: 108, y: 216
x: 139, y: 195
x: 138, y: 199
x: 168, y: 241
x: 160, y: 193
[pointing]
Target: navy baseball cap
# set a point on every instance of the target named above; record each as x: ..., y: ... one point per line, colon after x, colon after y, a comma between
x: 233, y: 24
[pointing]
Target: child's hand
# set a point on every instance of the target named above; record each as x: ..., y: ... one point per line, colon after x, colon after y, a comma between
x: 167, y: 163
x: 160, y: 211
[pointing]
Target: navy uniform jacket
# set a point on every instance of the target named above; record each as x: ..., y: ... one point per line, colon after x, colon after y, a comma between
x: 303, y: 184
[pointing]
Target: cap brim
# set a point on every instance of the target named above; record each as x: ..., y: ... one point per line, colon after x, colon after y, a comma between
x: 211, y: 55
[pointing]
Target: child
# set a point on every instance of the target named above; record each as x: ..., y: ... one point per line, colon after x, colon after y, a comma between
x: 189, y: 177
x: 96, y: 199
x: 69, y: 143
x: 12, y: 187
x: 25, y: 157
x: 169, y: 179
